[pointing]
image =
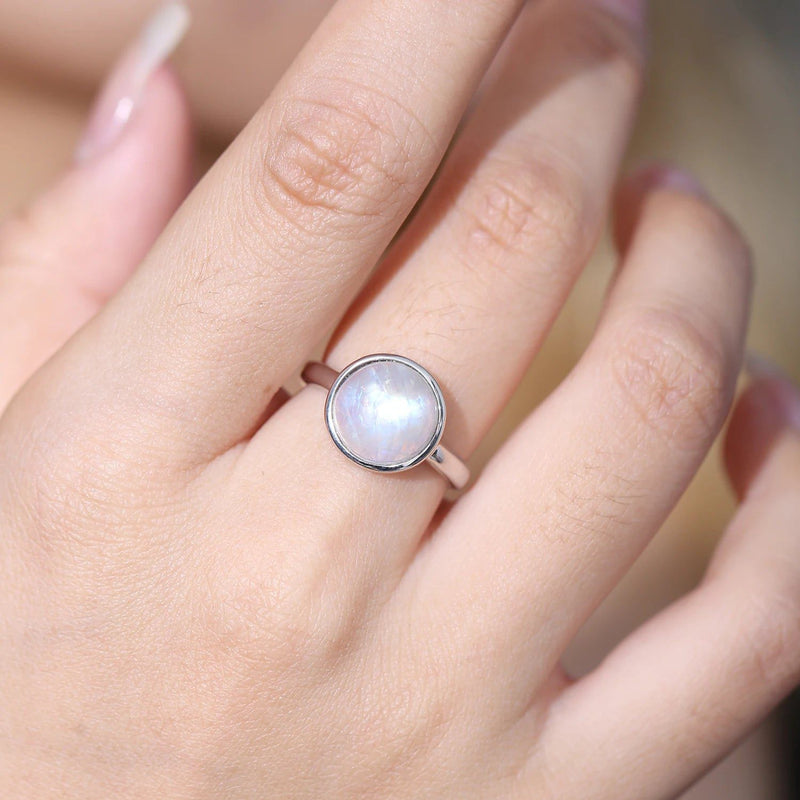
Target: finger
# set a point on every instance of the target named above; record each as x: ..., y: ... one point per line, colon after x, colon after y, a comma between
x: 680, y: 692
x: 760, y: 418
x: 517, y: 212
x: 631, y: 193
x: 574, y: 496
x: 72, y: 247
x: 272, y: 244
x: 480, y: 274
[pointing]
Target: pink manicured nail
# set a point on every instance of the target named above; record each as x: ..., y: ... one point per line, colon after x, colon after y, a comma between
x: 758, y: 367
x: 633, y: 11
x: 657, y: 175
x: 784, y: 395
x: 680, y: 181
x: 125, y: 85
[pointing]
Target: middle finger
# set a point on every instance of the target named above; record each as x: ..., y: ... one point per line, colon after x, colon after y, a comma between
x: 271, y: 245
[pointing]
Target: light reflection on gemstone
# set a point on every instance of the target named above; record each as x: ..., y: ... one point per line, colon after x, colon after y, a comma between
x: 385, y: 413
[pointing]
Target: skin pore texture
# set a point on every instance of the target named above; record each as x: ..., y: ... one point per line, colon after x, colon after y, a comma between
x: 203, y: 598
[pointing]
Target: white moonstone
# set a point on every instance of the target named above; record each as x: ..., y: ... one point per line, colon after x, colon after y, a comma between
x: 385, y: 413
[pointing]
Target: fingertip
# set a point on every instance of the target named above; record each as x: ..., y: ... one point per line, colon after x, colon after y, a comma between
x: 156, y: 150
x: 158, y: 134
x: 767, y: 411
x: 634, y: 190
x: 122, y: 197
x: 122, y: 92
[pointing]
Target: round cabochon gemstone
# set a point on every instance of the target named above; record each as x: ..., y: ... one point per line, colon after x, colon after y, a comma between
x: 385, y: 413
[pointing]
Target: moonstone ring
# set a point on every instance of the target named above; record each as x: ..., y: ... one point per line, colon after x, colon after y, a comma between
x: 387, y: 413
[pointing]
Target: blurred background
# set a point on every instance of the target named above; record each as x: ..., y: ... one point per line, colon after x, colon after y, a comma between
x: 723, y: 100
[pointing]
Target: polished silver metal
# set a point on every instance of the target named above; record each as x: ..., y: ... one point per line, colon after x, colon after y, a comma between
x: 441, y: 459
x: 341, y: 379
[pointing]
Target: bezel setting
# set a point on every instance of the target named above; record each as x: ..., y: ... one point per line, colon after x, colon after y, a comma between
x: 347, y: 373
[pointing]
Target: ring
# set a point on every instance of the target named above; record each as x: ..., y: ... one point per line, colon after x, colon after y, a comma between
x: 387, y: 413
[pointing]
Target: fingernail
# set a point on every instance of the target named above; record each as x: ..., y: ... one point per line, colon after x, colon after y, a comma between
x: 758, y: 367
x: 633, y: 12
x: 667, y: 176
x: 680, y: 181
x: 783, y: 394
x: 125, y: 86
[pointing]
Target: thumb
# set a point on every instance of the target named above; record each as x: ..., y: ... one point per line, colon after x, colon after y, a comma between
x: 71, y: 248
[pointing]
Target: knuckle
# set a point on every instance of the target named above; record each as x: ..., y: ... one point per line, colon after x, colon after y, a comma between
x: 769, y: 646
x: 285, y: 605
x: 348, y: 153
x: 78, y: 483
x: 673, y: 374
x: 66, y: 512
x: 514, y: 210
x: 254, y: 612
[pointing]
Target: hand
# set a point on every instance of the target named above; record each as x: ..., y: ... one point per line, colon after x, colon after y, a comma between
x: 203, y: 598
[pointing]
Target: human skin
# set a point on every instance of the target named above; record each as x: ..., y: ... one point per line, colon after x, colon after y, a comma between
x: 236, y: 53
x: 204, y: 598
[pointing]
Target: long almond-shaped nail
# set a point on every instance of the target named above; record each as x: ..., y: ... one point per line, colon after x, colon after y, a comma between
x: 125, y: 86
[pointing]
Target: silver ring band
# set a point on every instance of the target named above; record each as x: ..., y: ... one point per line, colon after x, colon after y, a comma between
x: 387, y: 413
